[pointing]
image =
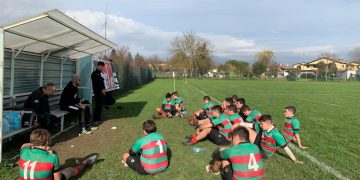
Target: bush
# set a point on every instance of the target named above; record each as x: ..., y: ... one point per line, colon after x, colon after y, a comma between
x: 291, y: 77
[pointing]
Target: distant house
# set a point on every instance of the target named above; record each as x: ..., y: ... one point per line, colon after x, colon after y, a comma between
x: 344, y: 69
x: 314, y: 65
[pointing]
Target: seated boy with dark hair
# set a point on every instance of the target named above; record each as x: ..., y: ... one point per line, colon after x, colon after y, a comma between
x: 180, y: 108
x: 270, y: 139
x: 148, y: 154
x: 204, y: 113
x: 234, y: 98
x: 292, y: 126
x: 226, y: 103
x: 167, y: 108
x: 217, y: 129
x: 38, y: 161
x: 234, y: 117
x: 253, y: 117
x: 240, y: 103
x: 242, y: 161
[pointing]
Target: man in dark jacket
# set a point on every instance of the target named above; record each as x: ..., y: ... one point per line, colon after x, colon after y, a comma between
x: 99, y: 90
x: 70, y: 101
x: 38, y: 101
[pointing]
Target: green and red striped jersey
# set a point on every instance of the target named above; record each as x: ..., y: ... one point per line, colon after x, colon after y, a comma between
x: 167, y: 104
x: 181, y: 103
x: 207, y: 108
x: 235, y: 118
x: 254, y: 117
x: 153, y: 150
x: 37, y: 164
x: 292, y: 127
x: 246, y: 161
x: 224, y: 125
x: 271, y: 139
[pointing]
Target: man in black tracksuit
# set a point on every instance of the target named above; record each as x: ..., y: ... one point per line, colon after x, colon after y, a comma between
x: 38, y: 101
x: 99, y: 90
x: 70, y: 101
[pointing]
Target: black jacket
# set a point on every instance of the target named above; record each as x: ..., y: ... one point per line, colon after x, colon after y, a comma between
x: 38, y: 102
x: 97, y: 82
x: 69, y: 96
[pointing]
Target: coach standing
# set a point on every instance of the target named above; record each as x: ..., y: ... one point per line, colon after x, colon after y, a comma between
x: 99, y: 90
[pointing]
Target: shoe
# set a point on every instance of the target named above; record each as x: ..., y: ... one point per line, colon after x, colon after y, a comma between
x: 124, y: 163
x: 208, y: 169
x: 84, y: 131
x: 93, y: 128
x: 189, y: 143
x: 91, y: 160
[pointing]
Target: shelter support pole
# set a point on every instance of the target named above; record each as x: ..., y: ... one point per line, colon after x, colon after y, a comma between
x: 43, y: 59
x: 61, y: 73
x: 1, y: 85
x: 14, y: 54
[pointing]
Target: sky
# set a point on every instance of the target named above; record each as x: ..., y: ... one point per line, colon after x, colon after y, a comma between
x: 296, y: 30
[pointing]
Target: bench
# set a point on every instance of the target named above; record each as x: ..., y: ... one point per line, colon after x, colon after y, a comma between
x: 15, y: 104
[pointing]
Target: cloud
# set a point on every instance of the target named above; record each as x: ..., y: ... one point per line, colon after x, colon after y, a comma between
x: 150, y: 40
x: 13, y: 10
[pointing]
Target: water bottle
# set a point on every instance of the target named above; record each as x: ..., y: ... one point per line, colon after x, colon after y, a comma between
x: 198, y: 150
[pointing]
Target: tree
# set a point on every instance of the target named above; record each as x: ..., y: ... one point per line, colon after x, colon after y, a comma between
x: 238, y: 67
x: 263, y: 61
x: 140, y: 61
x: 329, y: 55
x: 355, y: 55
x: 190, y: 53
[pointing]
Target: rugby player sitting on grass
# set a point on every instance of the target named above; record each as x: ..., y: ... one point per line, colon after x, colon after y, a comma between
x: 241, y: 161
x: 167, y: 108
x: 148, y: 154
x: 234, y: 117
x: 226, y: 103
x: 292, y: 126
x: 253, y: 117
x: 234, y: 98
x: 180, y: 108
x: 38, y: 161
x: 240, y: 103
x: 270, y: 139
x: 204, y: 113
x: 217, y: 129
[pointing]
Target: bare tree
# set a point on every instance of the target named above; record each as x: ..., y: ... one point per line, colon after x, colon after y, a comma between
x: 192, y: 51
x: 329, y: 55
x: 355, y: 55
x: 263, y: 61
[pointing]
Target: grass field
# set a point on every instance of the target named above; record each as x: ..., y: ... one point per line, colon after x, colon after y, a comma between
x: 328, y: 112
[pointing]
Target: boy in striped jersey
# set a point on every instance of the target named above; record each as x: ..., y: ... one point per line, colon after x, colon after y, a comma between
x: 38, y: 161
x: 167, y: 108
x: 240, y: 103
x: 204, y: 113
x: 253, y: 117
x: 241, y: 161
x: 148, y: 154
x: 217, y: 129
x: 226, y: 103
x: 270, y: 139
x: 180, y: 108
x: 234, y: 117
x: 292, y: 126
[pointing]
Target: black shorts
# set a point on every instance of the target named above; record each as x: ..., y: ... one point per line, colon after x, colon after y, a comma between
x: 134, y: 163
x: 217, y: 138
x: 258, y: 143
x: 63, y: 177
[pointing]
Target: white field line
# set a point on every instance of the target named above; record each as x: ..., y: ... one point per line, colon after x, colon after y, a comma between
x: 320, y: 164
x: 331, y: 104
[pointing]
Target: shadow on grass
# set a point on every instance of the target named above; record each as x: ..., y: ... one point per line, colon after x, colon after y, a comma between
x: 129, y: 109
x: 73, y: 162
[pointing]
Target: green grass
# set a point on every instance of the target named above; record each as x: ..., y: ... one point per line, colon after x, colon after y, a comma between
x: 328, y: 113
